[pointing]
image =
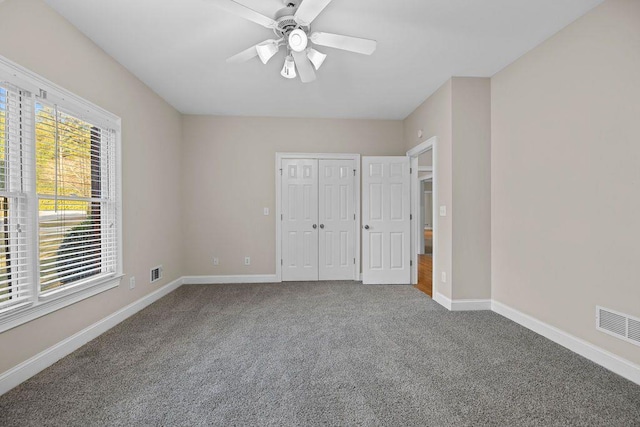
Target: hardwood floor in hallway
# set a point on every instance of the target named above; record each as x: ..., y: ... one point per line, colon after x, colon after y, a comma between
x: 425, y: 274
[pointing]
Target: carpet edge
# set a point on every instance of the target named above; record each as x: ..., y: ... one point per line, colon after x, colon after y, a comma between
x: 30, y: 367
x: 598, y: 355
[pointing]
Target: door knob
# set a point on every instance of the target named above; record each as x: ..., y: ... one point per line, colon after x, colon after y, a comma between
x: 315, y: 226
x: 321, y: 225
x: 366, y: 227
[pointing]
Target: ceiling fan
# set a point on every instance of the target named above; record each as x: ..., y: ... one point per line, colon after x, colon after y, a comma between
x: 292, y: 26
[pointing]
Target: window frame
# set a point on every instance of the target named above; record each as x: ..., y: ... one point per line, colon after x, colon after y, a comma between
x: 39, y: 304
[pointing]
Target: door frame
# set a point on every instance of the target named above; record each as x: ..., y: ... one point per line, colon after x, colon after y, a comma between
x: 356, y: 194
x: 430, y: 144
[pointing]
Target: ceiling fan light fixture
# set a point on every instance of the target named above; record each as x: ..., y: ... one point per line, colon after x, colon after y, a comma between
x: 316, y: 58
x: 298, y: 40
x: 289, y: 69
x: 267, y: 50
x: 292, y: 26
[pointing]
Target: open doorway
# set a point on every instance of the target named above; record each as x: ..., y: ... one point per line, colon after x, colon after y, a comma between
x: 425, y: 253
x: 424, y: 200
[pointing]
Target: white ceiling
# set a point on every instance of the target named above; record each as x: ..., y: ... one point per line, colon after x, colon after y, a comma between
x: 179, y: 47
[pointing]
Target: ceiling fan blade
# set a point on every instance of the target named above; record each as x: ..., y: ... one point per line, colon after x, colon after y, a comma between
x: 304, y: 66
x: 352, y: 44
x: 309, y: 10
x: 243, y: 56
x: 245, y: 12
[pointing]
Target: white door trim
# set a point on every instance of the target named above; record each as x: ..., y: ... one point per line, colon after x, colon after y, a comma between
x: 429, y: 145
x: 356, y: 195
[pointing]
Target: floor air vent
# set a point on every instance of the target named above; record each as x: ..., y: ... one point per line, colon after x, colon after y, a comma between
x: 618, y: 324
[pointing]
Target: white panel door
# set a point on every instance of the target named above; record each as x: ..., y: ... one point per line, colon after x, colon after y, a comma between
x: 299, y: 219
x: 336, y: 220
x: 386, y: 221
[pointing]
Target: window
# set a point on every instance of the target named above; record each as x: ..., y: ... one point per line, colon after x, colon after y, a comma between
x: 60, y: 228
x: 76, y: 216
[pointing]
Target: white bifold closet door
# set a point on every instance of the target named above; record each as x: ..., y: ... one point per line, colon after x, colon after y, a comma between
x: 337, y: 220
x: 318, y: 220
x: 386, y: 220
x: 299, y: 219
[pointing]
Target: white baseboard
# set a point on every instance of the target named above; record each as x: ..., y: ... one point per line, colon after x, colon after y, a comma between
x: 48, y: 357
x: 218, y: 280
x: 442, y: 300
x: 470, y: 304
x: 602, y: 357
x: 462, y: 304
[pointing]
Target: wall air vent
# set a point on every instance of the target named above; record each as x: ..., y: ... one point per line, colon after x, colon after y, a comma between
x: 618, y: 324
x: 633, y: 331
x: 156, y: 273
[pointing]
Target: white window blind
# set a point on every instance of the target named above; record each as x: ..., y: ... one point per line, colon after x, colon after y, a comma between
x: 75, y: 176
x: 60, y: 231
x: 16, y: 132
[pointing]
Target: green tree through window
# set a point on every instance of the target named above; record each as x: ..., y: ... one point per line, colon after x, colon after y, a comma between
x: 68, y: 183
x: 5, y: 248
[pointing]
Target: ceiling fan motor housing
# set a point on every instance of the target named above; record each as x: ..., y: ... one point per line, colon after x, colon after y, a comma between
x: 286, y: 22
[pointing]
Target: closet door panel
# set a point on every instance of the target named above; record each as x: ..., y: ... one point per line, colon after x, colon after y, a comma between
x: 336, y: 220
x: 299, y: 220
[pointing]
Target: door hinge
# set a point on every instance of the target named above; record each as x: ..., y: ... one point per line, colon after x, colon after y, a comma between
x: 410, y: 170
x: 354, y: 260
x: 354, y: 217
x: 281, y: 217
x: 411, y: 263
x: 281, y: 262
x: 354, y: 172
x: 410, y: 217
x: 280, y: 172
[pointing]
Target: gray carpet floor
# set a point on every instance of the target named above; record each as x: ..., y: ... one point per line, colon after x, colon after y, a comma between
x: 319, y: 354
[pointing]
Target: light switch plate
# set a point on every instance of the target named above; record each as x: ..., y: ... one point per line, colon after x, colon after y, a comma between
x: 443, y: 211
x: 266, y: 211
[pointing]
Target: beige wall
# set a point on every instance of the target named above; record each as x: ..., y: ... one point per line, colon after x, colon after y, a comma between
x: 471, y: 188
x: 459, y: 114
x: 434, y: 118
x: 151, y: 133
x: 229, y: 177
x: 566, y: 176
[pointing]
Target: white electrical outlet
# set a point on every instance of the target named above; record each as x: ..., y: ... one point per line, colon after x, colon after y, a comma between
x: 216, y: 261
x: 443, y: 211
x: 266, y: 211
x: 443, y: 277
x: 132, y: 282
x: 247, y: 260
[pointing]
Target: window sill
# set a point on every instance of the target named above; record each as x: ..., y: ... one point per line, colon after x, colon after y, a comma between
x: 55, y: 301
